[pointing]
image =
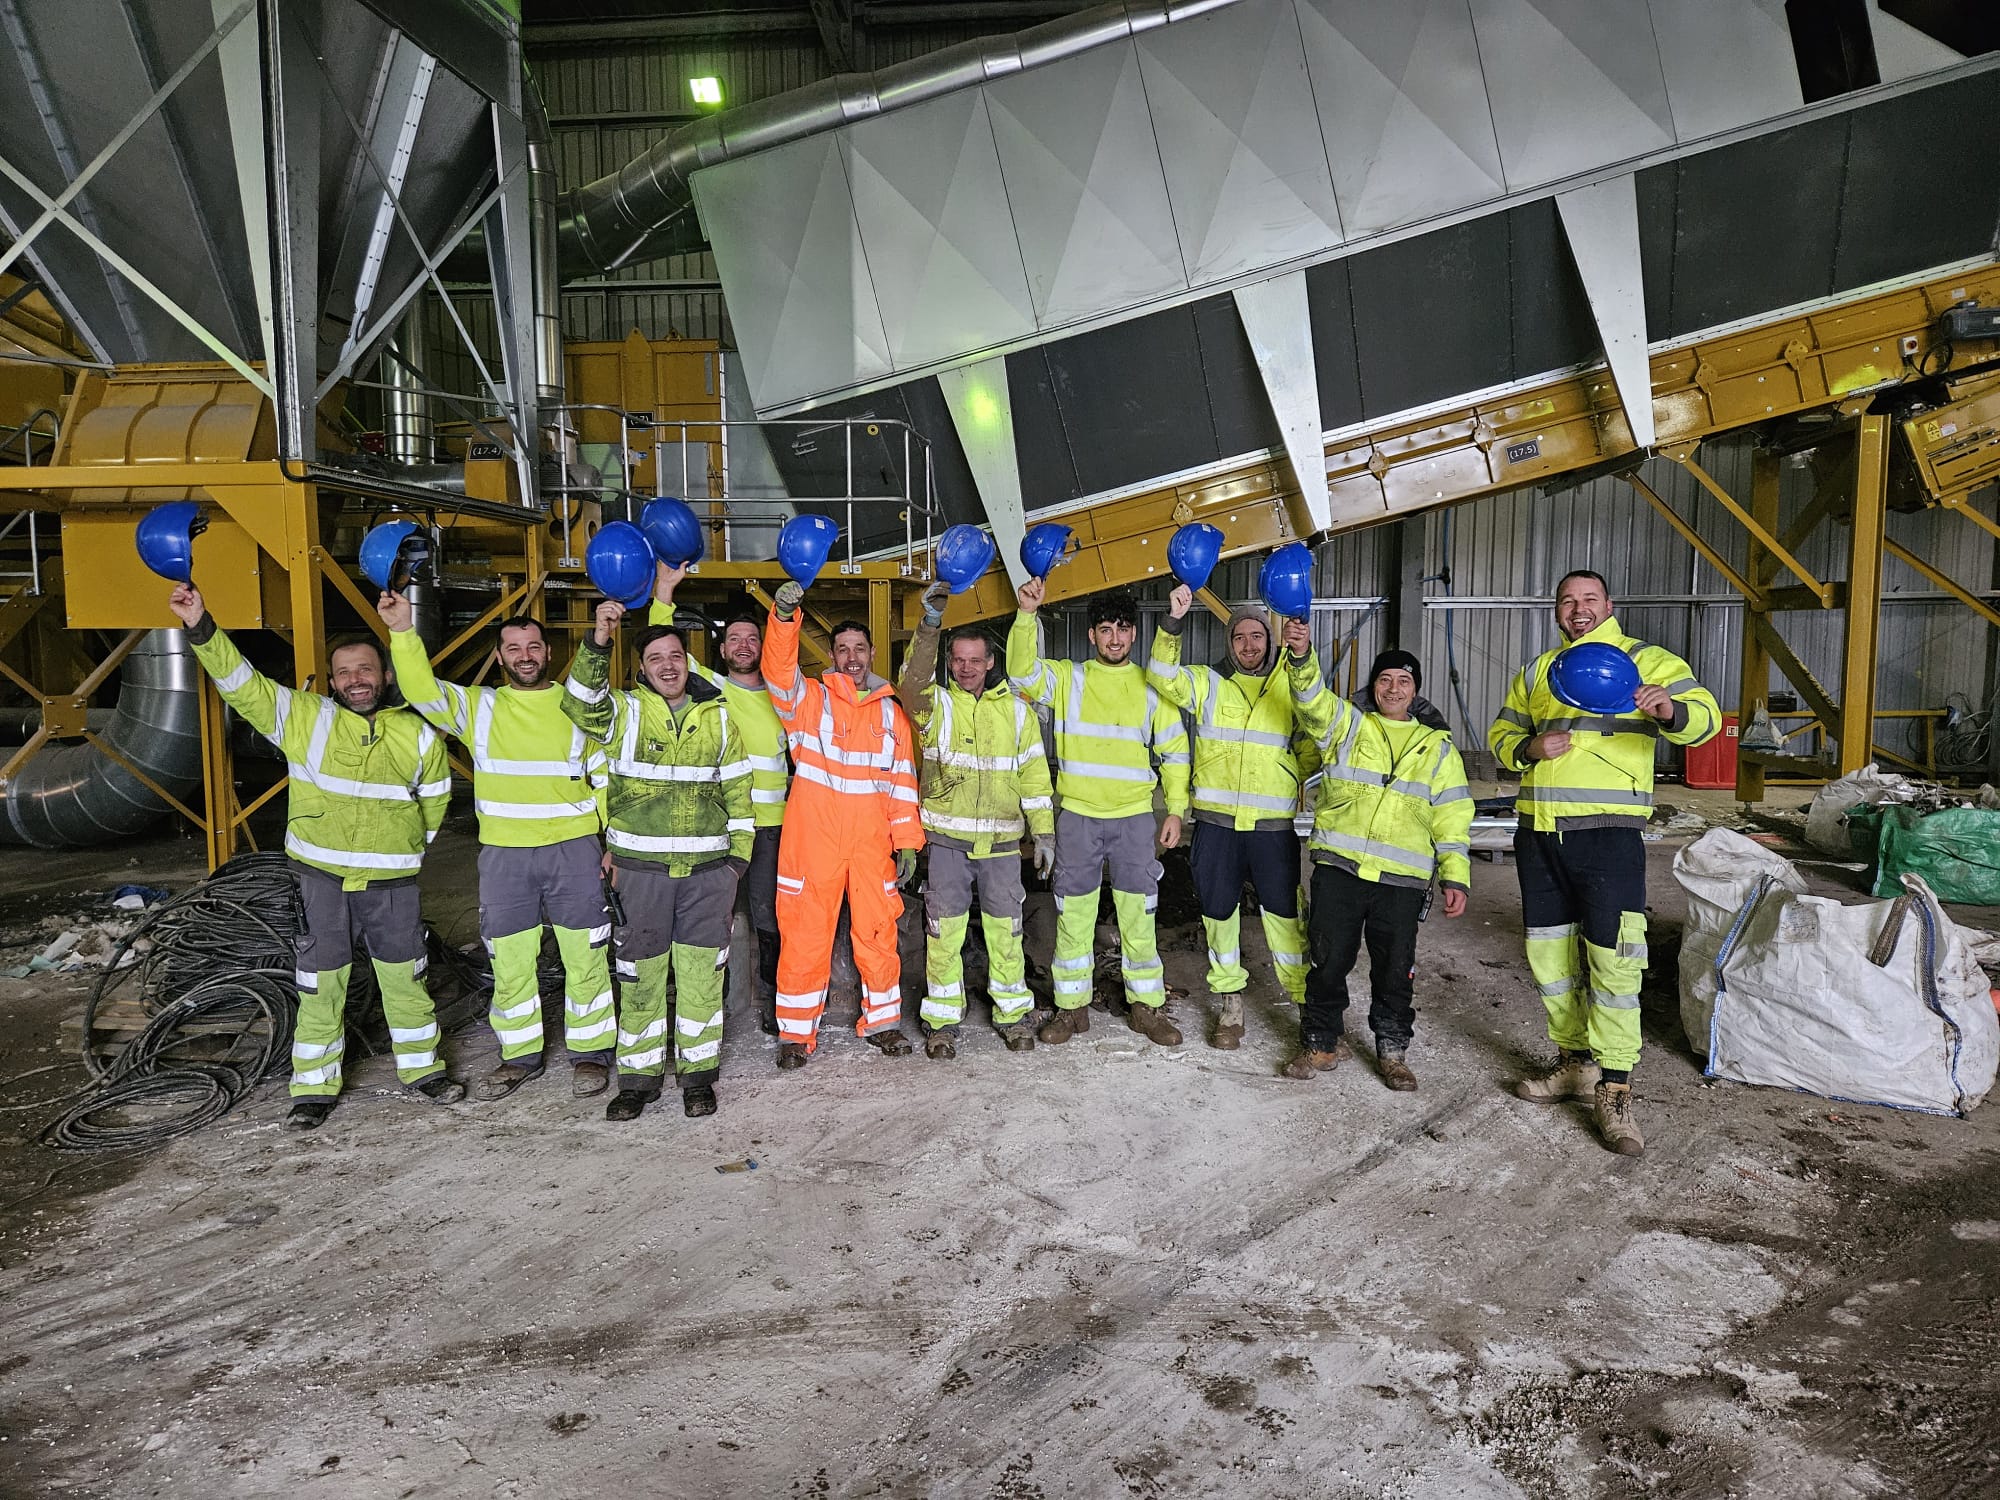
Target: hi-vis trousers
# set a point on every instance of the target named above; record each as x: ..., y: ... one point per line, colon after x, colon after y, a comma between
x: 518, y: 890
x: 386, y: 917
x: 948, y: 911
x: 1084, y: 846
x: 1583, y: 901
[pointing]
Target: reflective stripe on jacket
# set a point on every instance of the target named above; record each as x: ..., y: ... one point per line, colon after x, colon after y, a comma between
x: 985, y: 774
x: 537, y: 779
x: 1110, y: 726
x: 680, y: 785
x: 757, y: 726
x: 1246, y: 771
x: 852, y: 761
x: 366, y: 796
x: 1396, y: 819
x: 1605, y: 779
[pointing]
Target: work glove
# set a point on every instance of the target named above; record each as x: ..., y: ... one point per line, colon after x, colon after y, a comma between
x: 787, y: 600
x: 906, y: 867
x: 1045, y: 855
x: 935, y: 599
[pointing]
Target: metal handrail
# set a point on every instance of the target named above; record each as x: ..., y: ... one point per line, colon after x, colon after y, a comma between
x: 34, y: 572
x: 918, y: 497
x: 27, y: 430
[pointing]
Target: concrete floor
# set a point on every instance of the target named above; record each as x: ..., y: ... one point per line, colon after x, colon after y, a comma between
x: 1108, y: 1269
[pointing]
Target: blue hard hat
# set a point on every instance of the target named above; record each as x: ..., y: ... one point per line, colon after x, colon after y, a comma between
x: 1286, y: 581
x: 1044, y: 547
x: 963, y: 553
x: 670, y: 525
x: 620, y: 561
x: 390, y: 550
x: 1192, y: 552
x: 166, y: 539
x: 804, y: 545
x: 1595, y: 677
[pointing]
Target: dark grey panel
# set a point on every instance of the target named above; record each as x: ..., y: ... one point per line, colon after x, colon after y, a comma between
x: 814, y: 459
x: 1237, y: 404
x: 1133, y: 400
x: 1329, y: 297
x: 1754, y: 226
x: 1552, y: 323
x: 1431, y: 317
x: 1923, y: 182
x: 1041, y: 446
x: 1657, y: 190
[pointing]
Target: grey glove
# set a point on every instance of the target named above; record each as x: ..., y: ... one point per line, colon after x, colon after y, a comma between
x: 906, y: 867
x: 787, y: 599
x: 1045, y: 854
x: 935, y: 598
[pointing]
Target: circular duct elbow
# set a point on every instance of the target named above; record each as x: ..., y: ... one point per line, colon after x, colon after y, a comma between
x: 71, y: 796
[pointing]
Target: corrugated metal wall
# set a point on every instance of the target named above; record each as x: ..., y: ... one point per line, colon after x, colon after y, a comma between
x: 1504, y: 556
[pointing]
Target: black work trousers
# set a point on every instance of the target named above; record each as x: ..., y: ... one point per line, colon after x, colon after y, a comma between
x: 1347, y: 910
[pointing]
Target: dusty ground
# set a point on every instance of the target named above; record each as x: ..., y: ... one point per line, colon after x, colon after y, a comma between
x: 1103, y: 1270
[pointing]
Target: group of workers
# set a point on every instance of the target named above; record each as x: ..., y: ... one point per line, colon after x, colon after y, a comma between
x: 635, y: 821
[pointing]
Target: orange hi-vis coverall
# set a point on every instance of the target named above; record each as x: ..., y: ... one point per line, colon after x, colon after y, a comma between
x: 853, y: 804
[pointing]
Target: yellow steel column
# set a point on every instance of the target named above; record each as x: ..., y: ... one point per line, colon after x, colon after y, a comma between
x: 1864, y: 595
x: 218, y: 777
x: 301, y: 503
x: 881, y: 621
x: 1760, y: 568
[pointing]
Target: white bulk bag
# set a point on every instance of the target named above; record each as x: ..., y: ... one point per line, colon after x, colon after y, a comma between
x: 1777, y: 986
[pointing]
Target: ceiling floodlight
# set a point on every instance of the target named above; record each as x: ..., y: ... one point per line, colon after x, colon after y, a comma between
x: 706, y: 90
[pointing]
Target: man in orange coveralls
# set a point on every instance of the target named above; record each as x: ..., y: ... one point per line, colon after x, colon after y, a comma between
x: 852, y: 828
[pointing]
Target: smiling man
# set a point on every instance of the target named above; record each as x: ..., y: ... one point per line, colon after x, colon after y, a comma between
x: 536, y: 784
x: 1586, y: 791
x: 679, y: 839
x: 756, y: 720
x: 1246, y: 795
x: 1393, y: 814
x: 369, y: 788
x: 985, y: 787
x: 1110, y: 728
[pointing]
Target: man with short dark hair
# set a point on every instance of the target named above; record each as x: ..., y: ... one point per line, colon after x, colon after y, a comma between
x: 852, y: 829
x: 369, y: 788
x: 1110, y: 727
x: 985, y: 784
x: 536, y: 786
x: 1586, y: 791
x: 756, y: 722
x: 679, y: 838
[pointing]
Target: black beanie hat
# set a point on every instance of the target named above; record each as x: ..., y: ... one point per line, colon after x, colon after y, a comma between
x: 1390, y: 660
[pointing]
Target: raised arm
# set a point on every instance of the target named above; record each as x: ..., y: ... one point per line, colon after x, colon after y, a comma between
x: 661, y: 612
x: 916, y: 689
x: 445, y: 704
x: 262, y: 702
x: 1318, y: 712
x: 781, y: 667
x: 1027, y: 673
x: 587, y: 696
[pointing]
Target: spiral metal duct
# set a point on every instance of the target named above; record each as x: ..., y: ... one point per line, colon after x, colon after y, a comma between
x: 71, y: 796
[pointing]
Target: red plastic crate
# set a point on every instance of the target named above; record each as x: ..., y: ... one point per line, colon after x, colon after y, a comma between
x: 1712, y: 767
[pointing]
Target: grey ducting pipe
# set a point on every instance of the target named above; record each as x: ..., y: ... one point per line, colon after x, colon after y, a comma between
x: 72, y: 796
x: 612, y: 221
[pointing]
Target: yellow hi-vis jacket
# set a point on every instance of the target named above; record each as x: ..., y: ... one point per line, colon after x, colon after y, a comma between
x: 1395, y: 818
x: 366, y: 795
x: 757, y: 726
x: 1109, y: 728
x: 537, y: 779
x: 1246, y: 770
x: 1605, y: 779
x: 985, y: 777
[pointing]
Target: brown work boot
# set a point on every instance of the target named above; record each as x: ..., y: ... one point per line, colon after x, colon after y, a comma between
x: 1311, y: 1061
x: 792, y: 1055
x: 1395, y: 1072
x: 1615, y: 1121
x: 1151, y: 1022
x: 1572, y: 1076
x: 589, y: 1079
x: 1228, y: 1033
x: 1019, y: 1036
x: 1063, y: 1025
x: 698, y: 1097
x: 939, y: 1044
x: 890, y: 1043
x: 509, y: 1076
